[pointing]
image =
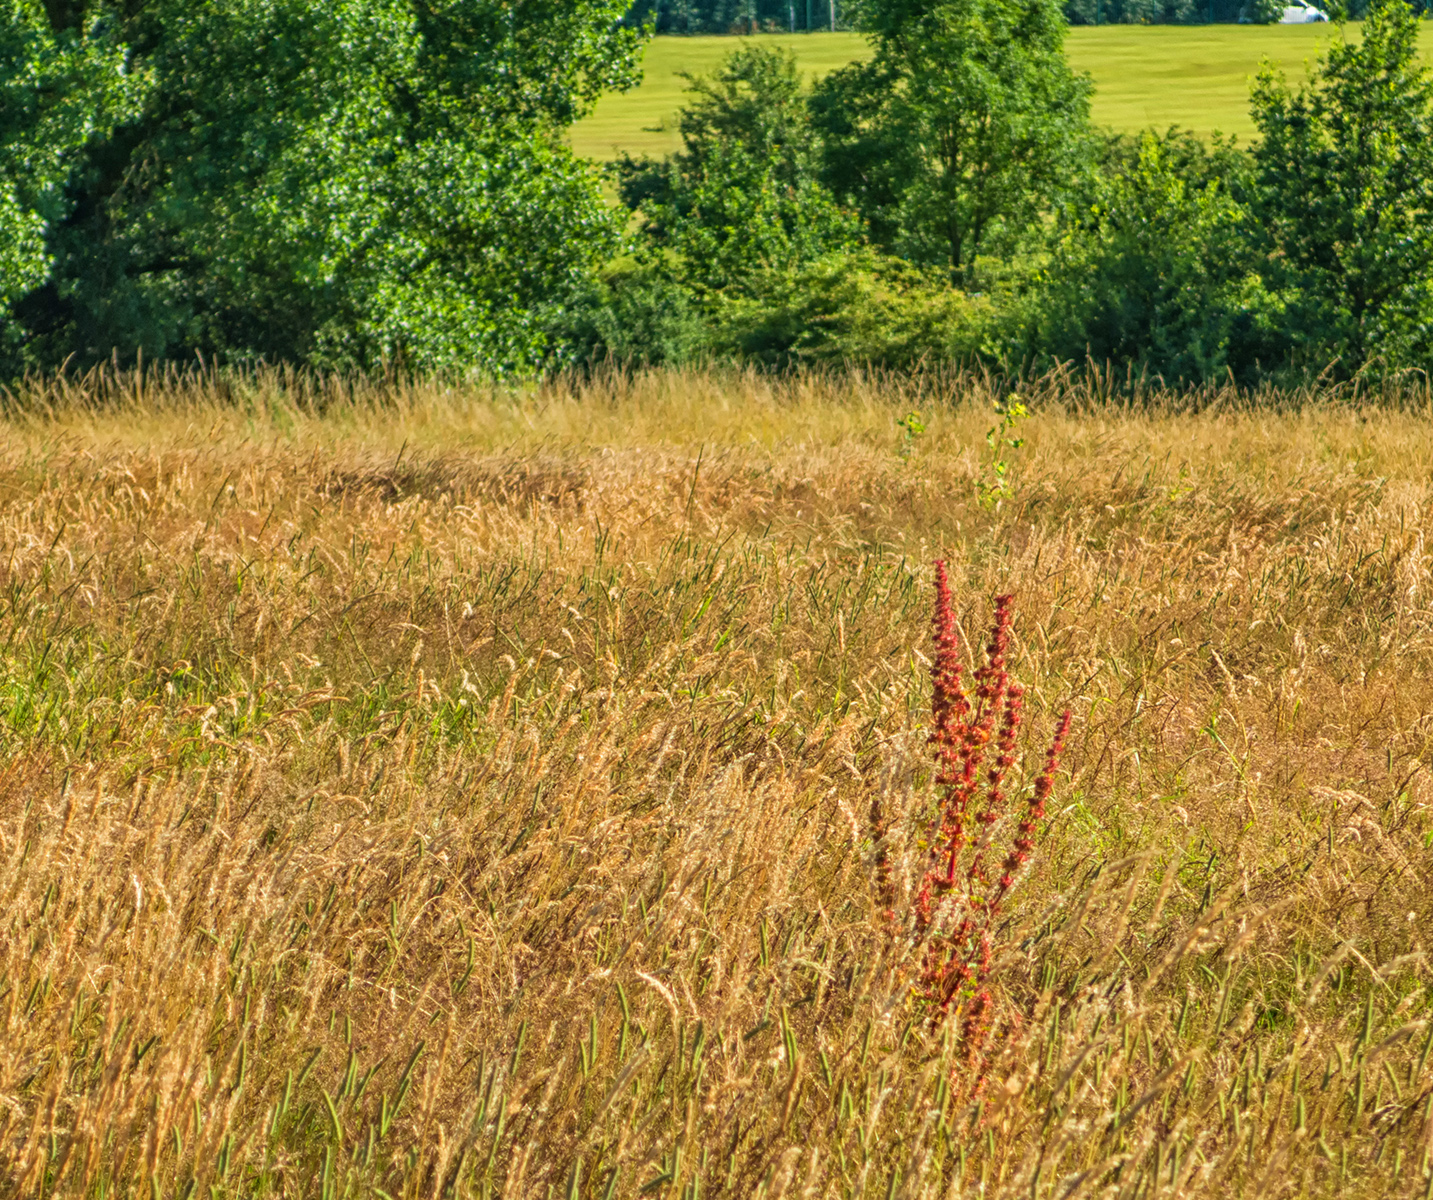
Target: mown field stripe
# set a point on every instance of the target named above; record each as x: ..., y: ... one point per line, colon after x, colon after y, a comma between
x: 1194, y: 76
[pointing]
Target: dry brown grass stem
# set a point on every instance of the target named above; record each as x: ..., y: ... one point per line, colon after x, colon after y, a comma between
x: 427, y: 791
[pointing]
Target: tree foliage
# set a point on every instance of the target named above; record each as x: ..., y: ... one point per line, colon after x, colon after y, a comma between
x: 1345, y: 196
x: 1152, y: 266
x: 1147, y: 12
x: 743, y: 195
x: 856, y: 308
x: 376, y: 181
x: 741, y: 16
x: 965, y: 124
x: 742, y: 252
x: 342, y: 184
x: 1262, y: 12
x: 60, y: 89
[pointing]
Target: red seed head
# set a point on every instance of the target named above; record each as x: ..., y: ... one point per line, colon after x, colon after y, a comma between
x: 948, y: 702
x: 955, y: 911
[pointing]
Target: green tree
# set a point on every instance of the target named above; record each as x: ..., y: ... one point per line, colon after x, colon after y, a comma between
x: 1136, y: 12
x: 743, y: 195
x: 342, y: 184
x: 728, y: 16
x: 1345, y: 197
x: 961, y: 129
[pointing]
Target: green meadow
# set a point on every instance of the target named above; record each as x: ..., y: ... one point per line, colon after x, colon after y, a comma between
x: 1195, y: 76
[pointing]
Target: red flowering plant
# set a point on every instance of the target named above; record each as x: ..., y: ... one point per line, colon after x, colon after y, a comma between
x: 975, y: 740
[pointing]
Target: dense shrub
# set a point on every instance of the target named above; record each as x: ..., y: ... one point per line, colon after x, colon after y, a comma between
x: 859, y: 308
x: 853, y: 308
x: 1154, y: 266
x: 631, y: 315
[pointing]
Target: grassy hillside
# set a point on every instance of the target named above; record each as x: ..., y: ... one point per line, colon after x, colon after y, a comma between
x: 1194, y: 76
x: 452, y: 793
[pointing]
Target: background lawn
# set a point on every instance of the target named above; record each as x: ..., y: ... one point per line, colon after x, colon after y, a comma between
x: 1194, y: 76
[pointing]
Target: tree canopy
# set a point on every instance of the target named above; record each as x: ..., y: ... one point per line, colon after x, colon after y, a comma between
x: 346, y: 183
x: 60, y: 87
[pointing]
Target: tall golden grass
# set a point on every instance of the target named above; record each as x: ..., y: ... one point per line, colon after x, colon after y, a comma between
x: 419, y: 791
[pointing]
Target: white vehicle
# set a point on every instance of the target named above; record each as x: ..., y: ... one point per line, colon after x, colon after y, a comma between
x: 1302, y: 14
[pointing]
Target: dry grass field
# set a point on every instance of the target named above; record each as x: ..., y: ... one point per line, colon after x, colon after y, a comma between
x: 423, y: 792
